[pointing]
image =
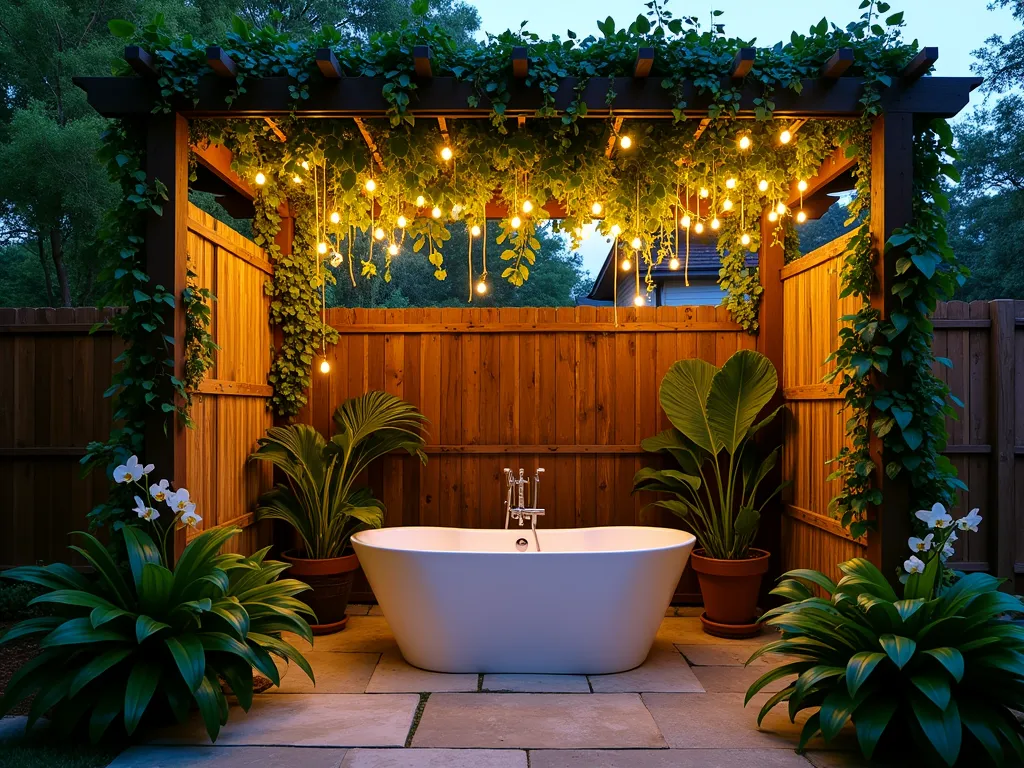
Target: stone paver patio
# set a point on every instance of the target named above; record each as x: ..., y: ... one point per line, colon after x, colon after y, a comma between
x: 370, y: 709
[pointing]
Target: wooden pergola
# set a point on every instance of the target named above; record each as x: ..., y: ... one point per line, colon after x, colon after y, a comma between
x: 832, y: 95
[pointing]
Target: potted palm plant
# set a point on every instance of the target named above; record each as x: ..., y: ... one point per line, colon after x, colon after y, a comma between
x: 322, y: 499
x: 716, y: 488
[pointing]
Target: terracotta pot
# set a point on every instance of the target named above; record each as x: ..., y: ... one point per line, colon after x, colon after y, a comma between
x: 331, y: 583
x: 730, y: 589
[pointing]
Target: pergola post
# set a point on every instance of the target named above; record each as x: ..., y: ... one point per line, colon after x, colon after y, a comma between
x: 166, y: 263
x: 892, y: 191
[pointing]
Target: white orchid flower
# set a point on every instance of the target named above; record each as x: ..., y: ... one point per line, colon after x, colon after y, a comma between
x: 970, y: 521
x: 179, y: 501
x: 914, y: 565
x: 921, y: 545
x: 144, y: 512
x: 160, y: 491
x: 131, y: 471
x: 936, y: 517
x: 947, y: 550
x: 191, y: 519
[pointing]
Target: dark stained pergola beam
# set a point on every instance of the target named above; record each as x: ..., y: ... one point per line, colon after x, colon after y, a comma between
x: 920, y: 64
x: 644, y: 62
x: 421, y: 62
x: 837, y: 65
x: 520, y: 62
x: 448, y: 97
x: 328, y: 63
x: 220, y: 62
x: 743, y: 62
x: 370, y: 143
x: 139, y: 60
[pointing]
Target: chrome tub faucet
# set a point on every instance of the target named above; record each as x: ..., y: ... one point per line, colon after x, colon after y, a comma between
x: 523, y: 491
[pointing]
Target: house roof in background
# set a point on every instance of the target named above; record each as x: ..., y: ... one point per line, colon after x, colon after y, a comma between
x: 704, y: 262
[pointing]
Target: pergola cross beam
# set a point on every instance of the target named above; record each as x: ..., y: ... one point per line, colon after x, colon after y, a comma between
x: 222, y: 64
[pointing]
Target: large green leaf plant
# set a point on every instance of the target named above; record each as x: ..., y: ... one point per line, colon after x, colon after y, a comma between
x: 944, y: 665
x: 714, y: 412
x: 116, y: 645
x: 322, y: 500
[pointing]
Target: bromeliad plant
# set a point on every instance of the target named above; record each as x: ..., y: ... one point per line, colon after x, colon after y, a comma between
x: 944, y: 664
x: 115, y: 646
x: 321, y: 500
x: 713, y: 412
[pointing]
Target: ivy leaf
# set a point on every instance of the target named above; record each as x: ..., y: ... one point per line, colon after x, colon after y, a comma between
x: 121, y: 28
x: 419, y: 7
x: 903, y: 416
x: 913, y: 438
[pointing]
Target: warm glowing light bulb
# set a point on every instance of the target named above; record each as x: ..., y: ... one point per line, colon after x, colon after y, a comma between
x: 801, y: 217
x: 481, y: 287
x: 745, y: 142
x: 474, y: 231
x: 673, y: 263
x: 785, y: 137
x: 401, y: 221
x: 305, y: 165
x: 698, y: 227
x: 773, y: 216
x: 596, y: 209
x: 730, y: 183
x: 639, y: 301
x: 335, y: 217
x: 378, y: 233
x: 763, y: 185
x: 626, y: 264
x: 296, y: 179
x: 625, y: 142
x: 393, y: 249
x: 516, y: 222
x: 727, y: 204
x: 370, y: 185
x: 321, y: 248
x: 685, y: 221
x: 745, y: 239
x: 801, y: 185
x: 420, y: 201
x: 446, y: 153
x: 636, y: 243
x: 527, y: 206
x: 435, y: 212
x: 260, y: 178
x: 616, y: 230
x: 715, y: 223
x: 781, y: 209
x: 335, y: 259
x: 704, y: 192
x: 325, y: 367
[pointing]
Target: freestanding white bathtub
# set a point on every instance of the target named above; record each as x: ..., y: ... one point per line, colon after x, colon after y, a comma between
x: 466, y: 600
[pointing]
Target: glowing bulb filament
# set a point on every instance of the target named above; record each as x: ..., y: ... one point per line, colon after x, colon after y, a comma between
x: 393, y: 249
x: 481, y: 287
x: 673, y: 263
x: 727, y: 204
x: 378, y: 233
x: 420, y: 201
x: 261, y: 179
x: 745, y: 239
x: 625, y: 142
x: 401, y: 222
x: 515, y: 222
x: 715, y: 223
x: 596, y: 209
x: 698, y: 227
x: 474, y: 231
x: 745, y: 142
x: 335, y: 217
x: 730, y: 183
x: 685, y: 221
x: 325, y: 367
x: 435, y: 212
x: 527, y: 206
x: 785, y: 137
x: 636, y: 243
x: 704, y: 192
x: 639, y: 300
x: 370, y: 185
x: 626, y: 264
x: 762, y: 185
x: 801, y: 217
x: 446, y: 154
x: 321, y: 248
x: 616, y: 230
x: 801, y: 185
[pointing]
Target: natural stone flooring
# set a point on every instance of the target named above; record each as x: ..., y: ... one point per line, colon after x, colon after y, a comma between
x: 682, y: 708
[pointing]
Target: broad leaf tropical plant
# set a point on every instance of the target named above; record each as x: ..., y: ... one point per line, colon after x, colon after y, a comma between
x: 321, y: 499
x: 115, y: 643
x: 714, y: 412
x: 944, y: 665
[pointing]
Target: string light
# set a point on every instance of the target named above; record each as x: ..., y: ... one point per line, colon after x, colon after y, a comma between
x: 762, y: 185
x: 636, y: 243
x: 435, y: 212
x: 639, y: 301
x: 446, y: 154
x: 673, y: 264
x: 296, y: 179
x: 698, y: 227
x: 715, y: 223
x: 785, y: 137
x: 370, y: 185
x: 745, y: 239
x: 685, y: 221
x: 305, y: 165
x: 704, y: 192
x: 335, y: 259
x: 325, y: 367
x: 730, y: 183
x: 616, y: 230
x: 626, y: 264
x: 781, y: 208
x: 379, y: 233
x: 801, y: 217
x: 801, y: 185
x: 401, y: 221
x: 727, y: 204
x: 596, y: 209
x: 420, y: 201
x: 516, y: 222
x: 335, y: 217
x: 773, y: 216
x: 260, y: 178
x: 474, y: 231
x: 744, y: 142
x: 481, y: 286
x: 625, y: 142
x: 321, y: 248
x: 527, y: 206
x: 393, y: 249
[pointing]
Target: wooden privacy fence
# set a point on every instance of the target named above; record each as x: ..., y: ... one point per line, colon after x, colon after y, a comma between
x: 559, y: 388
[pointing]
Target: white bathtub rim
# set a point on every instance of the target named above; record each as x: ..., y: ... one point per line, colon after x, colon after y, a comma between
x: 689, y: 540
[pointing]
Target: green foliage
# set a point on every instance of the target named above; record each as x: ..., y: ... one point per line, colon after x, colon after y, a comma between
x: 199, y: 343
x: 14, y: 601
x: 944, y: 670
x: 115, y: 644
x: 321, y: 500
x: 713, y: 412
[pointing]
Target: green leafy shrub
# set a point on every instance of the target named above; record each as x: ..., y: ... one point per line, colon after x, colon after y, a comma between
x: 713, y: 412
x: 944, y: 665
x: 113, y: 645
x: 321, y: 500
x: 15, y: 599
